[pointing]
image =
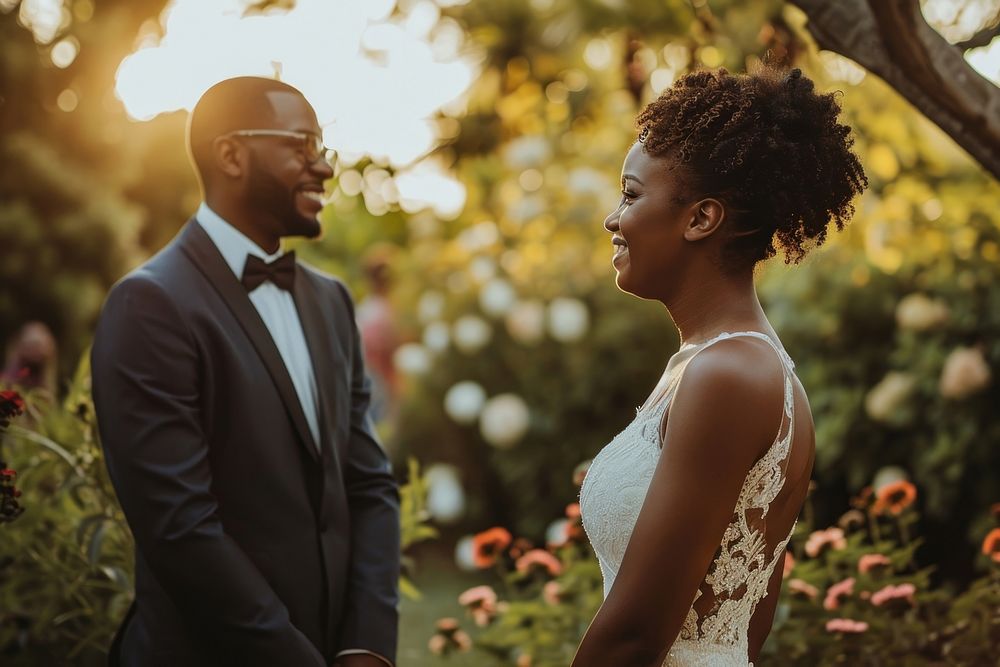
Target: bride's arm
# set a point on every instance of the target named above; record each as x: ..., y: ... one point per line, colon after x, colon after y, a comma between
x: 724, y: 415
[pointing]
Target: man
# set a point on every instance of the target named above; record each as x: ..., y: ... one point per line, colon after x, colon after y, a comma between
x: 232, y: 404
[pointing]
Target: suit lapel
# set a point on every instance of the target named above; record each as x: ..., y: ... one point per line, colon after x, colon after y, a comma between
x: 199, y: 247
x: 319, y: 339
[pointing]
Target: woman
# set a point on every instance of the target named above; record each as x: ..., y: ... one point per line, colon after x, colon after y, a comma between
x: 690, y: 507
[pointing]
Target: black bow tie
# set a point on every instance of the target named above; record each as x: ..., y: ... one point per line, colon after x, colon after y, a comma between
x: 281, y: 272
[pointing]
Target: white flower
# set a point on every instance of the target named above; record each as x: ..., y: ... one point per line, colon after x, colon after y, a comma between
x: 528, y: 151
x: 556, y: 534
x: 430, y: 307
x: 965, y: 373
x: 437, y: 336
x: 526, y: 322
x: 526, y: 208
x: 887, y: 475
x: 464, y: 401
x: 889, y: 395
x: 483, y: 268
x: 445, y: 495
x: 919, y: 312
x: 504, y: 420
x: 464, y: 554
x: 412, y: 358
x: 568, y: 319
x: 587, y: 181
x: 496, y: 297
x: 471, y: 333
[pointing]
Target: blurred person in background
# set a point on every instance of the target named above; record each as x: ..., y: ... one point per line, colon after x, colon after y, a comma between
x: 232, y: 403
x: 31, y: 359
x: 691, y: 506
x: 377, y: 323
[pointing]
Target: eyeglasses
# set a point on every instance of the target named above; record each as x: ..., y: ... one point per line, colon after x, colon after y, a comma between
x: 311, y: 144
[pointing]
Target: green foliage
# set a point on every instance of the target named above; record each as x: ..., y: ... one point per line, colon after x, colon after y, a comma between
x: 66, y: 573
x: 414, y: 522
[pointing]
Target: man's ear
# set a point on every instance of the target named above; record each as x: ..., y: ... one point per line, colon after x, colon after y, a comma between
x: 230, y: 156
x: 706, y: 217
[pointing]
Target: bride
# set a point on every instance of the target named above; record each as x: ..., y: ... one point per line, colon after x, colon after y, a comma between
x: 690, y: 508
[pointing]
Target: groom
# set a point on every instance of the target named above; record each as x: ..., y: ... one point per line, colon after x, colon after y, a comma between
x: 232, y: 404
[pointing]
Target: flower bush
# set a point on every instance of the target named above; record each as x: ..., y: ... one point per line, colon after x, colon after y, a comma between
x: 853, y: 594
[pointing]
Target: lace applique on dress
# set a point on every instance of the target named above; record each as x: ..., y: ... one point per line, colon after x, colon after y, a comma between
x: 715, y: 630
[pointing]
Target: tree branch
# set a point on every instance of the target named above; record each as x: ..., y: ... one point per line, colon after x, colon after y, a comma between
x: 891, y: 39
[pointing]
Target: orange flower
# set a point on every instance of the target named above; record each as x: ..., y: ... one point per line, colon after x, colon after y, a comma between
x: 895, y: 497
x: 573, y: 510
x: 863, y: 499
x: 991, y: 545
x: 488, y: 545
x: 538, y: 558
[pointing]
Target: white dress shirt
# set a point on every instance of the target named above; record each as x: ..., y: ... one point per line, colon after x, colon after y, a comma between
x: 275, y: 306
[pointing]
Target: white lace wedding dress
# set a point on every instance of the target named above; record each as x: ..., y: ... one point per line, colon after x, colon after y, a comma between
x: 715, y: 631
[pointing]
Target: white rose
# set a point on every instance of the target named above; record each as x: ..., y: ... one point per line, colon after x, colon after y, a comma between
x: 568, y: 319
x: 465, y: 554
x: 412, y: 358
x: 430, y: 306
x: 888, y: 395
x: 555, y: 534
x: 504, y: 420
x: 527, y: 151
x: 526, y: 322
x: 965, y: 373
x: 496, y: 297
x: 464, y: 401
x: 919, y: 312
x: 445, y: 495
x: 436, y: 336
x: 471, y: 333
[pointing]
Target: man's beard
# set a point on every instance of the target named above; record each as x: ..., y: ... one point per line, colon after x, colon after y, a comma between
x: 269, y: 195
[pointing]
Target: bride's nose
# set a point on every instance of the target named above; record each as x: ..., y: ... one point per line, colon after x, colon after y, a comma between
x: 611, y: 222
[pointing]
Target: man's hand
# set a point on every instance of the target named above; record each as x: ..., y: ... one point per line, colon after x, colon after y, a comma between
x: 359, y: 660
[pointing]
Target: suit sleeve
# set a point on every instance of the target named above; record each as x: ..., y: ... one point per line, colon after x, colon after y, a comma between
x: 372, y: 617
x: 146, y: 368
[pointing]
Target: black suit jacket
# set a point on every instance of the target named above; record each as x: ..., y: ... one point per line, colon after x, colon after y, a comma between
x: 254, y: 545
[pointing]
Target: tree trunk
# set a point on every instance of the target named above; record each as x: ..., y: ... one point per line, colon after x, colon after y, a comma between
x: 890, y: 38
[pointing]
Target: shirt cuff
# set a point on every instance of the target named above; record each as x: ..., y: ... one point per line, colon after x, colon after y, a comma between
x: 361, y: 651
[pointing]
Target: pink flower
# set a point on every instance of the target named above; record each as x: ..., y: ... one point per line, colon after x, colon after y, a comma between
x: 550, y: 592
x: 821, y: 539
x: 539, y: 558
x: 870, y: 562
x: 846, y: 625
x: 482, y: 604
x: 837, y: 591
x: 890, y: 593
x: 789, y: 564
x: 802, y: 588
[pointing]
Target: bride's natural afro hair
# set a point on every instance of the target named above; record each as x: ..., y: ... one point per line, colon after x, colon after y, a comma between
x: 768, y: 146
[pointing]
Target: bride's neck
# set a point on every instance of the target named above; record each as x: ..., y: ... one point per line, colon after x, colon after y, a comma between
x: 711, y: 304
